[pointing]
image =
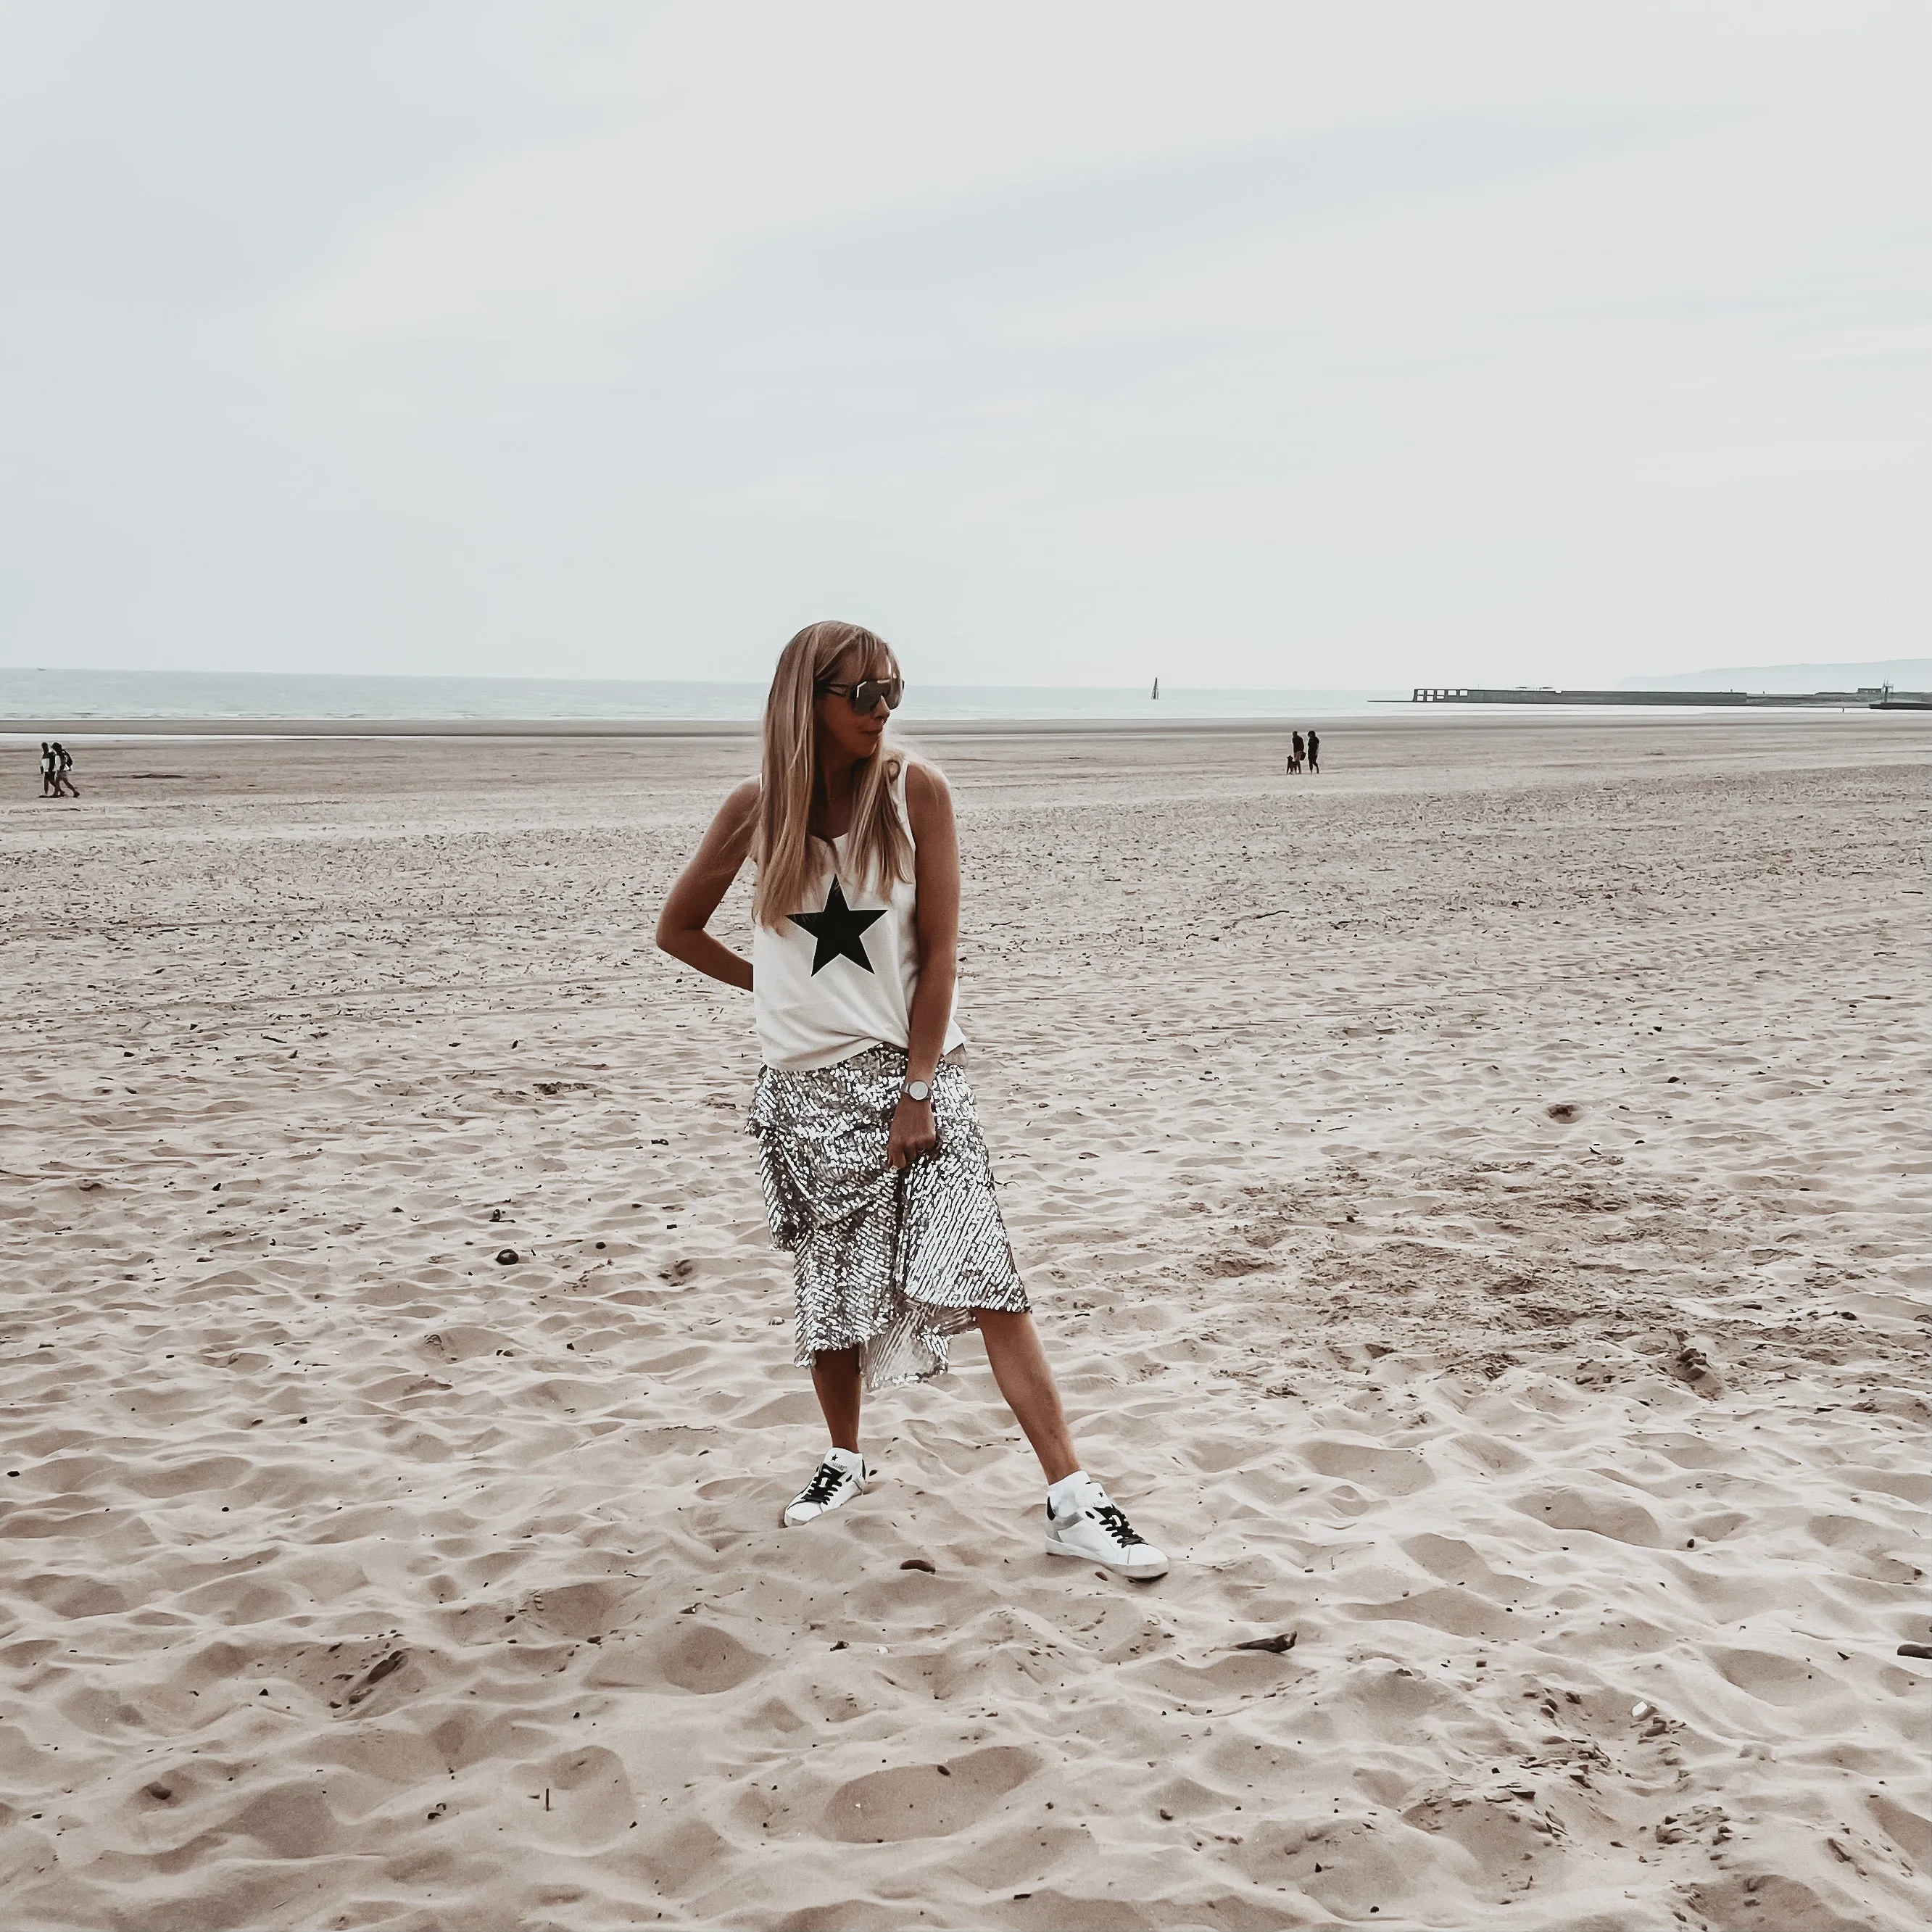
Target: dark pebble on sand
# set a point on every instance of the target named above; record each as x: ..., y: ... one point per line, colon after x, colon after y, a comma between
x: 506, y: 1257
x: 1277, y: 1645
x: 919, y: 1563
x: 1914, y: 1650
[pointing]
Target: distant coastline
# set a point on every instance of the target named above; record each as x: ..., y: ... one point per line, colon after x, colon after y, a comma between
x: 1902, y: 673
x: 54, y: 701
x: 1869, y: 697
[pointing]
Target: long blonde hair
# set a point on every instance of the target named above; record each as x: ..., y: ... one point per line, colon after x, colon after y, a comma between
x: 791, y: 859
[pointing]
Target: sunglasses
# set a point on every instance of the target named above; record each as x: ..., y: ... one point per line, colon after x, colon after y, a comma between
x: 865, y: 696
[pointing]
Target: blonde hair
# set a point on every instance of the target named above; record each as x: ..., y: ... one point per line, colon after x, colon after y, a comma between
x: 791, y: 859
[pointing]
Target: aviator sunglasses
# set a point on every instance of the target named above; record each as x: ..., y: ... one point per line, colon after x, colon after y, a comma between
x: 866, y: 695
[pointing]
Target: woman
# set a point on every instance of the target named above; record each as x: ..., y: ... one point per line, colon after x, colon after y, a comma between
x: 875, y: 1176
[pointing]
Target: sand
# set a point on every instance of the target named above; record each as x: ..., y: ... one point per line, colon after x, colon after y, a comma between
x: 1475, y: 1202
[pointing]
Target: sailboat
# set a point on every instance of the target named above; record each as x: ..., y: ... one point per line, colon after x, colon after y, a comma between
x: 1156, y: 687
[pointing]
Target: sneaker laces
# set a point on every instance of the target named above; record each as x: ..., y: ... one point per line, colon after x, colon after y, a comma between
x: 1114, y: 1520
x: 822, y: 1486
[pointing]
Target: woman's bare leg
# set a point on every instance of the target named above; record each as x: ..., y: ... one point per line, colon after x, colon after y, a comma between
x: 1019, y: 1367
x: 835, y: 1376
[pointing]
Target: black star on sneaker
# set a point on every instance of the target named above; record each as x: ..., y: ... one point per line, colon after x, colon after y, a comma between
x: 837, y: 930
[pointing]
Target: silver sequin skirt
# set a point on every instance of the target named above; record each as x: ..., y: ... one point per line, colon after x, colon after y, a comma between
x: 889, y: 1262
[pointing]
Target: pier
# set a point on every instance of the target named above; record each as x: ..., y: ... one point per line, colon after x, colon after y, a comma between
x: 1876, y: 697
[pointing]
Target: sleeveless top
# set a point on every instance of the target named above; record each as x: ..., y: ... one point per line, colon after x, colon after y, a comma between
x: 838, y: 976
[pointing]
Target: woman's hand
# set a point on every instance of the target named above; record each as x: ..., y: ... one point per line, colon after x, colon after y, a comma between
x: 914, y: 1131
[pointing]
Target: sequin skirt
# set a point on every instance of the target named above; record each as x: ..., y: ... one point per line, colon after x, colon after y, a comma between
x: 889, y: 1262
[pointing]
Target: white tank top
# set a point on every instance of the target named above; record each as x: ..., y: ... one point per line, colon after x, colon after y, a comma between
x: 838, y: 976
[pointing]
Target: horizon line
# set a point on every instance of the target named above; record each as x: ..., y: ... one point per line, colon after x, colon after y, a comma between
x: 755, y: 684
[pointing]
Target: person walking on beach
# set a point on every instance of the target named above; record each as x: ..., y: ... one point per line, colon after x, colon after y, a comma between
x: 63, y: 765
x: 49, y: 767
x: 1294, y: 753
x: 1314, y: 754
x: 874, y: 1173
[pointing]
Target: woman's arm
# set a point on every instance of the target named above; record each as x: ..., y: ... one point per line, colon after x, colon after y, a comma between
x: 936, y: 874
x: 702, y: 883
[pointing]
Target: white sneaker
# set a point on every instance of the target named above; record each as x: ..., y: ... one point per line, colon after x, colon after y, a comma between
x: 841, y: 1477
x: 1093, y: 1528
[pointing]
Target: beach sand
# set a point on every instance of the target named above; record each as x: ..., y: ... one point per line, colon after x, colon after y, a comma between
x: 1475, y: 1201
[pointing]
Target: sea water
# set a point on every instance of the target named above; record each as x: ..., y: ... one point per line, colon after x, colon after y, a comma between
x: 76, y: 694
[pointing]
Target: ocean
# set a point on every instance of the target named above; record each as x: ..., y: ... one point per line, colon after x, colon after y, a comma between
x: 74, y: 694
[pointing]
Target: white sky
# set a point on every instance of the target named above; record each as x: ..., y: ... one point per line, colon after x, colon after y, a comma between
x: 1308, y: 346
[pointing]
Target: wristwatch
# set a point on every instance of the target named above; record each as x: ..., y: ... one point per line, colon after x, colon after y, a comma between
x: 920, y: 1090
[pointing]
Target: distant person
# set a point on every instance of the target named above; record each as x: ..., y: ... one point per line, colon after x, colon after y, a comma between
x: 1314, y: 753
x: 49, y: 771
x: 1294, y: 753
x: 63, y: 765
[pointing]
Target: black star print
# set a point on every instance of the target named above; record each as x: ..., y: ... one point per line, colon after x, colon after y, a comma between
x: 837, y: 930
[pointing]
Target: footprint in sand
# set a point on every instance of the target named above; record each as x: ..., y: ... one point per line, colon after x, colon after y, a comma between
x: 706, y: 1659
x: 1389, y: 1472
x: 927, y: 1801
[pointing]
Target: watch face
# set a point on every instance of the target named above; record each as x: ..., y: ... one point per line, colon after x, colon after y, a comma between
x: 918, y: 1090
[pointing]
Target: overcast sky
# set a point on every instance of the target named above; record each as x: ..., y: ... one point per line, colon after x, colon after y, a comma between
x: 1306, y: 346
